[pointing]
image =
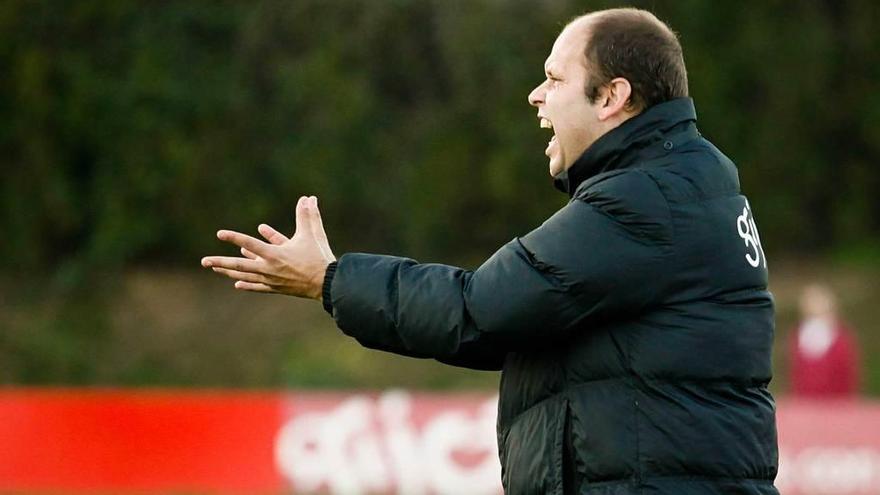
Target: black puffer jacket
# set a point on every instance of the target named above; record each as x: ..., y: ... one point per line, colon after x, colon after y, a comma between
x: 634, y: 327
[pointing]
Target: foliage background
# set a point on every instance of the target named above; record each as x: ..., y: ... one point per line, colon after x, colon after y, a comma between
x: 131, y: 131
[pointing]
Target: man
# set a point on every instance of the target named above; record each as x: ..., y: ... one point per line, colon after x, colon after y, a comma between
x: 633, y: 327
x: 823, y: 351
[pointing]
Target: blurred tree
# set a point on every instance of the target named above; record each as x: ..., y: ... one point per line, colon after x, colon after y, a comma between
x: 131, y: 130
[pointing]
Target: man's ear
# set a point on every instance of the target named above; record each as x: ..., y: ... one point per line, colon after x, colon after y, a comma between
x: 615, y: 98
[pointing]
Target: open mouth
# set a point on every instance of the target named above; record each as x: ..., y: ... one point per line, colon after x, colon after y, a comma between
x: 546, y: 124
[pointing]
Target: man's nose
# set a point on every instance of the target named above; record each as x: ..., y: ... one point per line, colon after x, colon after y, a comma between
x: 536, y: 97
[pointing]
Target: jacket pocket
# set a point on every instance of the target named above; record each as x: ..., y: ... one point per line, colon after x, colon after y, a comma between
x: 571, y: 478
x: 533, y: 450
x: 603, y: 433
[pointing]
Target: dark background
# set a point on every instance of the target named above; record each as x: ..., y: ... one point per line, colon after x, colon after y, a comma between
x: 131, y: 131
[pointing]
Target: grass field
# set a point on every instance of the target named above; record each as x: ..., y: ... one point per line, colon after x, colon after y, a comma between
x: 190, y: 328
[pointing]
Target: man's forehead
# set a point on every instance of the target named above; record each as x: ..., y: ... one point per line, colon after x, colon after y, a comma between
x: 569, y: 44
x: 581, y: 25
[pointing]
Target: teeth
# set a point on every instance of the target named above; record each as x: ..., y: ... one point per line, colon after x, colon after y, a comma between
x: 546, y: 124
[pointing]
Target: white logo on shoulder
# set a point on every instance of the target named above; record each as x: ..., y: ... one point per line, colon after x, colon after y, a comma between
x: 745, y: 225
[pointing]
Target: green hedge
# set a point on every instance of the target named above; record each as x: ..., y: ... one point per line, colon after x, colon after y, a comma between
x: 130, y: 131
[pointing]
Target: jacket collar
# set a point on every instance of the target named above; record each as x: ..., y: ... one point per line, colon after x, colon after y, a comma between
x: 621, y: 147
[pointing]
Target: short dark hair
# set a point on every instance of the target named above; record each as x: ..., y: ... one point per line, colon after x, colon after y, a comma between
x: 635, y: 45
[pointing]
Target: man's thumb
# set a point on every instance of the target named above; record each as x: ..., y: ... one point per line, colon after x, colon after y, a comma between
x: 302, y: 216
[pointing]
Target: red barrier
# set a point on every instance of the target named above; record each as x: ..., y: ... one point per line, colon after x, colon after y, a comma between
x: 115, y: 441
x: 829, y: 447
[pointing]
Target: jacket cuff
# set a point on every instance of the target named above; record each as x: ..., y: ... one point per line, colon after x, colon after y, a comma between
x: 328, y: 283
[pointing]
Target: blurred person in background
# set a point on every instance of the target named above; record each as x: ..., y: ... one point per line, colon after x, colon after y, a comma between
x: 824, y: 355
x: 633, y: 328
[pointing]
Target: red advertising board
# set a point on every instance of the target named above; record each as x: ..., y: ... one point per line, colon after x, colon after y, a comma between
x: 115, y: 441
x: 829, y: 447
x: 223, y: 442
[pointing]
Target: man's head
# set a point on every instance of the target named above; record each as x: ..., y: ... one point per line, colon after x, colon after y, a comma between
x: 817, y: 301
x: 605, y: 67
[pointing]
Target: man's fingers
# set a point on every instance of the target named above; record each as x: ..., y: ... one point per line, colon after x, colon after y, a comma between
x: 230, y: 263
x: 255, y: 246
x: 302, y: 218
x: 248, y: 254
x: 315, y: 215
x: 257, y: 278
x: 318, y: 227
x: 250, y: 286
x: 271, y: 234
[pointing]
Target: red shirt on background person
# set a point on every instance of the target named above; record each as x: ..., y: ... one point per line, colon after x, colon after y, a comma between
x: 824, y: 352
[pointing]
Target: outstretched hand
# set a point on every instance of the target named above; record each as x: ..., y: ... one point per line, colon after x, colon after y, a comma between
x: 294, y: 266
